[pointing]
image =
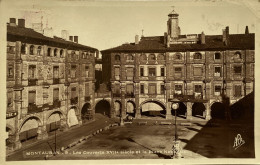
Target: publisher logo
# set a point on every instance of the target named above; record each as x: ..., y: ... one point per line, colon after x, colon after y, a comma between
x: 238, y: 141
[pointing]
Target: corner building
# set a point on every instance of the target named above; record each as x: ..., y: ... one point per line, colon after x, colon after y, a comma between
x: 50, y: 84
x: 206, y: 71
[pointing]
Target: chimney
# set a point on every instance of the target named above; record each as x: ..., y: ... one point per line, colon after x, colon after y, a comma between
x: 165, y: 38
x: 168, y: 41
x: 136, y: 39
x: 21, y: 23
x: 246, y: 31
x: 224, y: 36
x: 227, y: 35
x: 48, y: 32
x: 76, y: 39
x: 202, y: 38
x: 65, y: 35
x: 12, y: 21
x: 71, y: 38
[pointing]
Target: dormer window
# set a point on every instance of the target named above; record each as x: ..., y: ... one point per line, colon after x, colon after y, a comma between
x: 31, y: 50
x: 197, y: 55
x: 117, y: 57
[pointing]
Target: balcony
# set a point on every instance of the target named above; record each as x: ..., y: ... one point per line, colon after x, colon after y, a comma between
x: 32, y: 82
x: 130, y: 95
x: 74, y: 100
x: 32, y: 108
x: 56, y: 104
x: 116, y: 94
x: 56, y: 80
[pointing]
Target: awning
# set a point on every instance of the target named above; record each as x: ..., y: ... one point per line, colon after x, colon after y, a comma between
x: 72, y: 118
x: 53, y: 118
x: 30, y: 124
x: 150, y: 106
x: 129, y: 107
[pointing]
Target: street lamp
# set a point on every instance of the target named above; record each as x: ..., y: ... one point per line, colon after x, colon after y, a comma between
x: 176, y: 143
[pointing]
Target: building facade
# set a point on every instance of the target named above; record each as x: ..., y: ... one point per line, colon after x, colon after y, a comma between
x: 204, y: 72
x: 50, y: 83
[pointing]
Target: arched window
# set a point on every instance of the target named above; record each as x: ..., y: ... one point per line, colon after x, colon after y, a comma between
x: 87, y: 55
x: 39, y: 49
x: 72, y: 54
x: 31, y: 50
x: 61, y: 53
x: 83, y: 55
x: 197, y: 55
x: 129, y: 57
x: 152, y: 57
x: 238, y: 55
x: 143, y: 57
x: 23, y: 48
x: 178, y: 56
x: 161, y: 57
x: 55, y: 52
x: 117, y: 57
x: 49, y: 52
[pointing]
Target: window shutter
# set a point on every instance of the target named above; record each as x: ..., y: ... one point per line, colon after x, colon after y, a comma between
x: 31, y: 97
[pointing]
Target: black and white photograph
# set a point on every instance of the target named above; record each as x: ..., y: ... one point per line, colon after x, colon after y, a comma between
x: 147, y: 81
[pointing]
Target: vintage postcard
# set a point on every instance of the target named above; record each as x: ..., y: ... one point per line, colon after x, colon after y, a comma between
x: 132, y: 82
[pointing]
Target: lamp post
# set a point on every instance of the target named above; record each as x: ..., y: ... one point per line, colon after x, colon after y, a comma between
x: 176, y: 143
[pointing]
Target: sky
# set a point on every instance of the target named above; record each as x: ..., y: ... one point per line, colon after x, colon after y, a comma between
x: 103, y: 24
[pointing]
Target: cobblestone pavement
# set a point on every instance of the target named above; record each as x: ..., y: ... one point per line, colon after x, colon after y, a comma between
x: 133, y: 141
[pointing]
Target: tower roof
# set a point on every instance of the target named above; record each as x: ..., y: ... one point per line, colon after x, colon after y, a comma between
x: 173, y: 14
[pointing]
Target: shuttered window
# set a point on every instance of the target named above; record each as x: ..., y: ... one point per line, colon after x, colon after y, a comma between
x: 129, y: 72
x: 117, y: 88
x: 162, y: 89
x: 152, y: 72
x: 32, y: 72
x: 73, y: 71
x: 238, y: 91
x: 55, y: 94
x: 117, y: 71
x: 162, y: 72
x: 73, y: 92
x: 197, y: 71
x: 237, y: 69
x: 142, y: 89
x: 87, y: 71
x: 31, y: 97
x: 129, y: 89
x: 87, y: 89
x: 141, y: 71
x: 198, y: 88
x: 152, y: 89
x: 56, y: 72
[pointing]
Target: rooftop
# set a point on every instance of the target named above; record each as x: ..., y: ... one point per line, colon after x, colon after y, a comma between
x: 212, y: 42
x: 27, y: 35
